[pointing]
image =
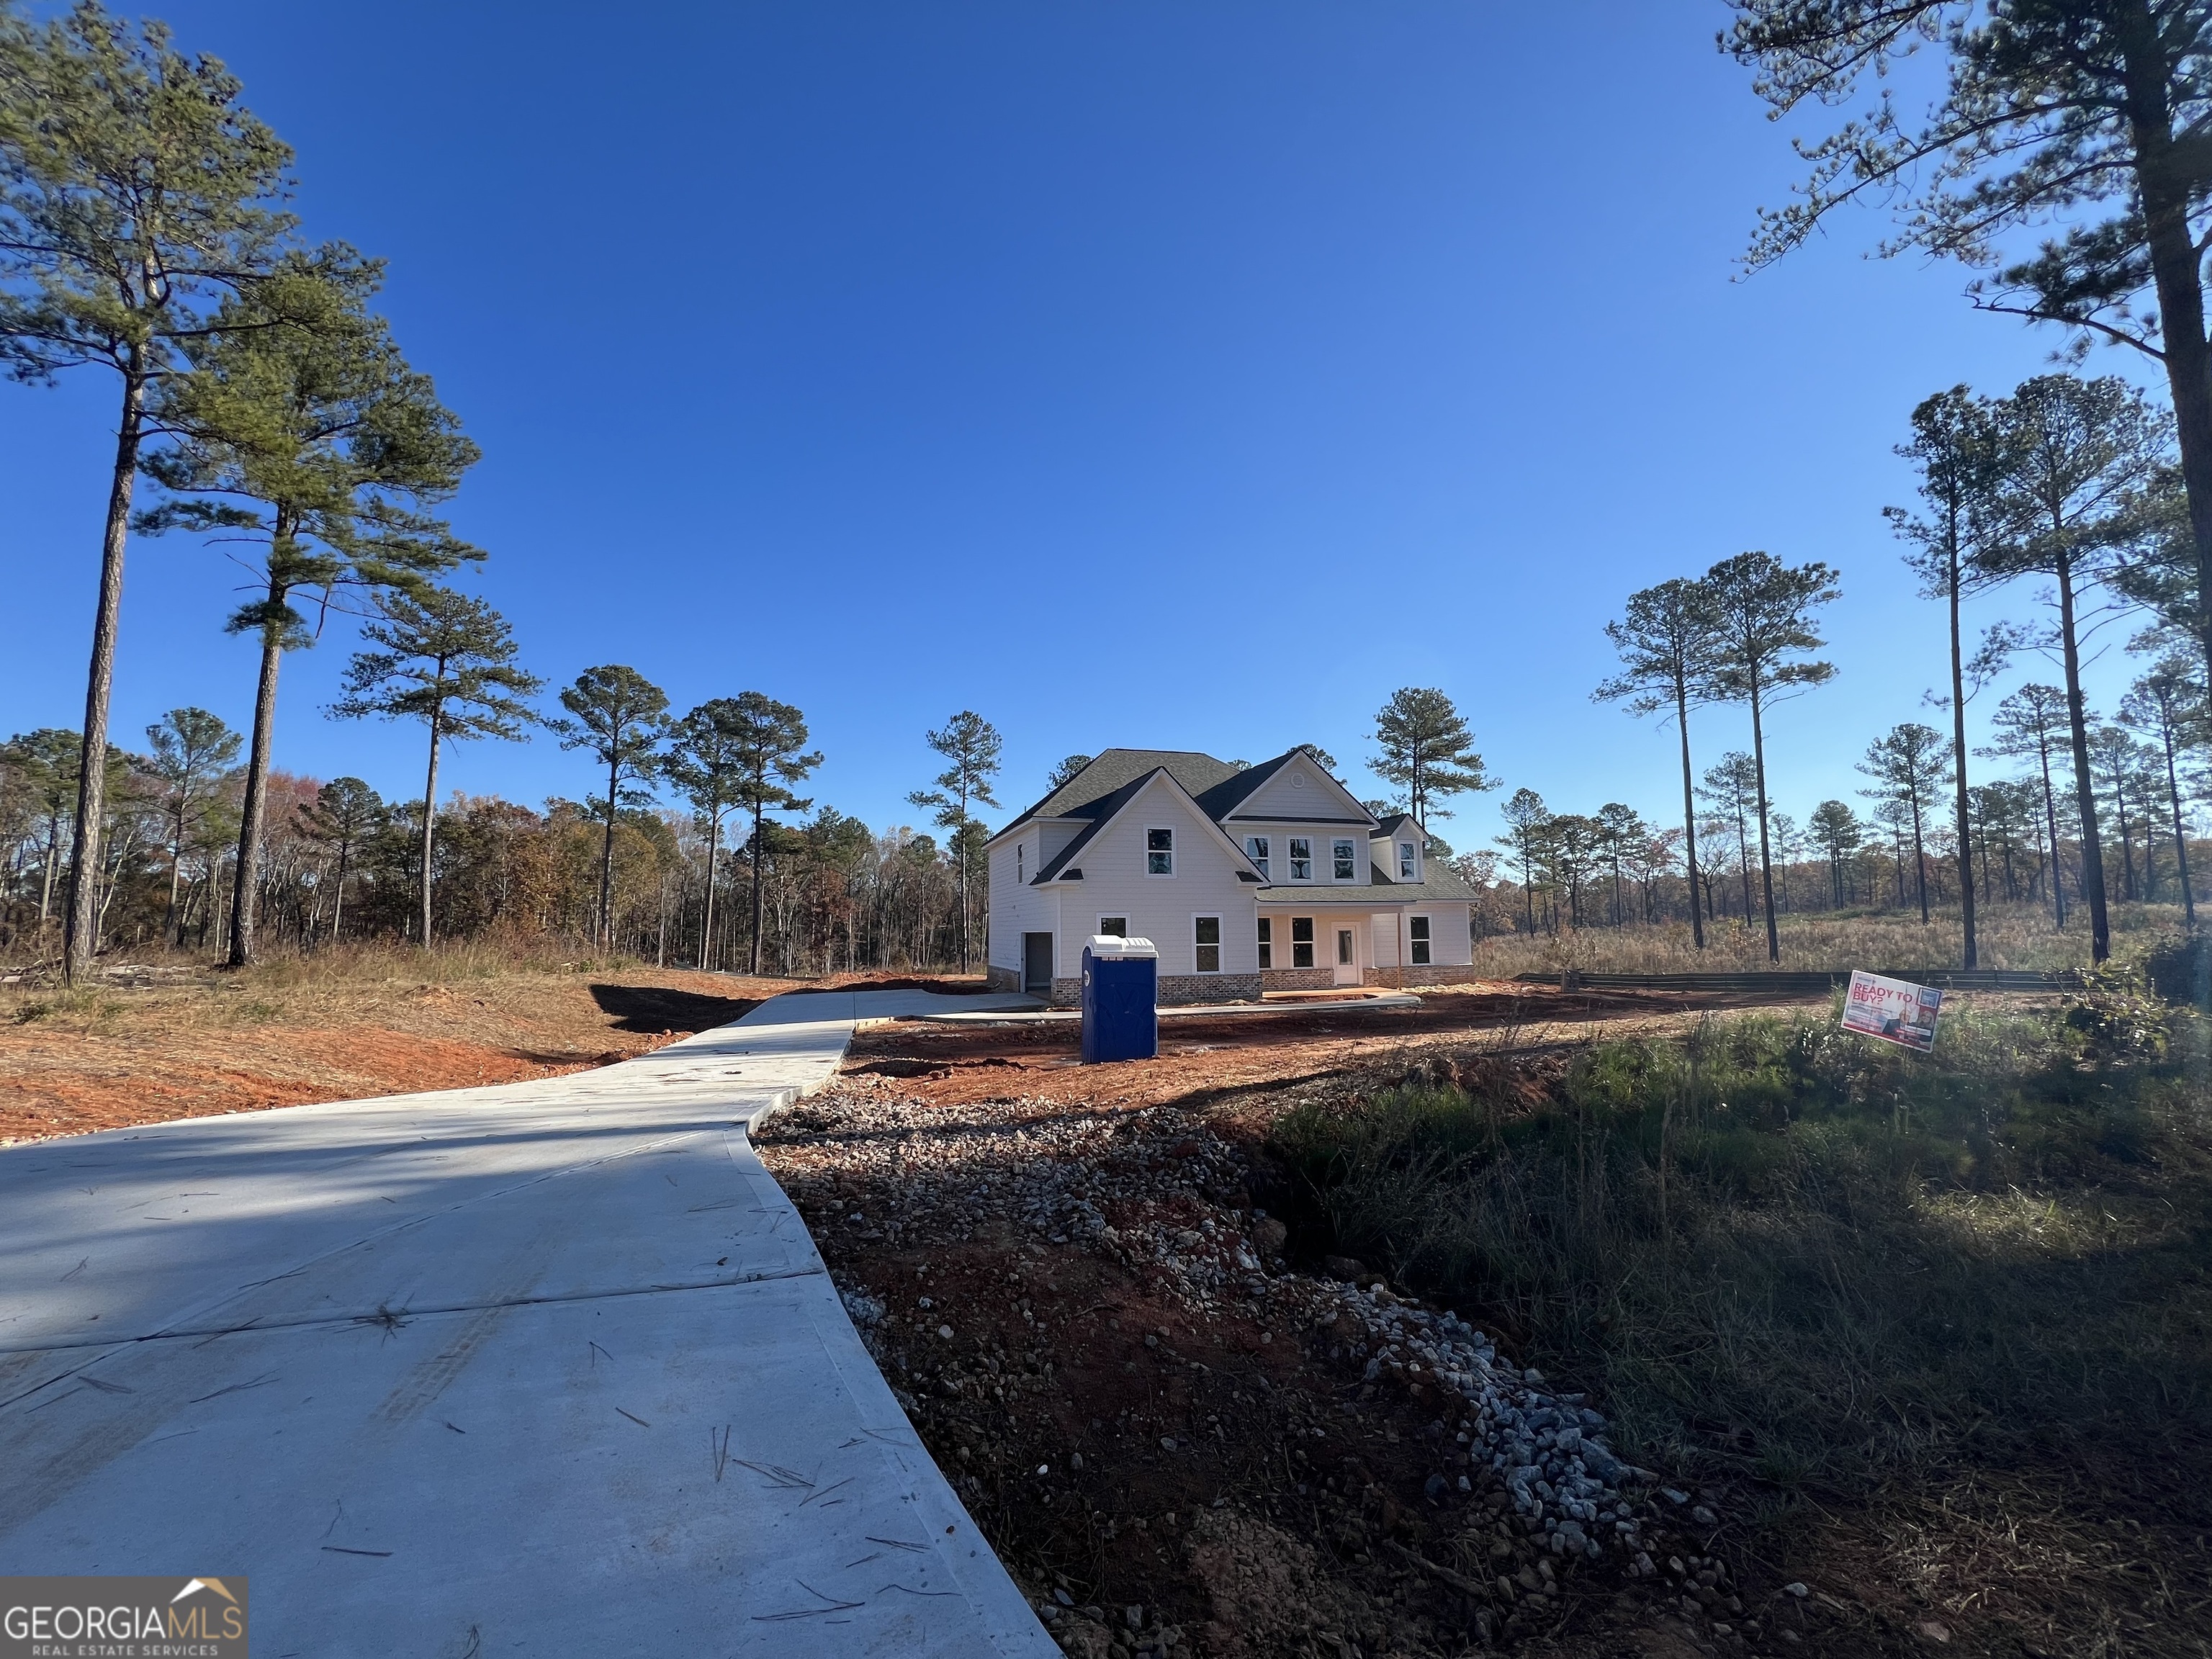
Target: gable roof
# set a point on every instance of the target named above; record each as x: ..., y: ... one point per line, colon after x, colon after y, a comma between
x: 1087, y: 794
x: 1111, y: 807
x: 1226, y: 797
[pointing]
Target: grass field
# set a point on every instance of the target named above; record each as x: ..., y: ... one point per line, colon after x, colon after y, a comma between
x: 2010, y: 935
x: 1941, y: 1329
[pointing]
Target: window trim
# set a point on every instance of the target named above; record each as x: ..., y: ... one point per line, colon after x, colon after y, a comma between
x: 1219, y: 944
x: 1297, y: 841
x: 1420, y: 940
x: 1338, y: 858
x: 1266, y: 930
x: 1152, y: 852
x: 1307, y: 942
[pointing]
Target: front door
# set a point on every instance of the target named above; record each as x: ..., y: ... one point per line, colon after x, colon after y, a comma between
x: 1037, y: 964
x: 1348, y: 955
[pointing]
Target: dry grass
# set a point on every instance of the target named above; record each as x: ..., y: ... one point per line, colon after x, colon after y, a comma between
x: 2009, y: 936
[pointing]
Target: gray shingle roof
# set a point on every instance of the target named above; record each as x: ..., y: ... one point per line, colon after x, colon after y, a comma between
x: 1085, y: 794
x: 1442, y: 886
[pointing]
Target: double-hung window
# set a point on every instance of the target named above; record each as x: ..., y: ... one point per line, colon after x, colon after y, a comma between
x: 1267, y: 942
x: 1417, y: 934
x: 1407, y: 866
x: 1206, y: 940
x: 1021, y: 862
x: 1256, y: 849
x: 1301, y: 858
x: 1344, y: 858
x: 1302, y: 942
x: 1159, y: 852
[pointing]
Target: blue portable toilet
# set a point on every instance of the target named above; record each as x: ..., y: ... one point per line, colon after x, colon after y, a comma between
x: 1121, y: 997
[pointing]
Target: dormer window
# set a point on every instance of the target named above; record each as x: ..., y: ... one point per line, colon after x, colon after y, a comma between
x: 1408, y: 865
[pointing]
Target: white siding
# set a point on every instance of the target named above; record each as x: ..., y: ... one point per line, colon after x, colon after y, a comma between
x: 1383, y: 942
x: 1161, y: 908
x: 1017, y: 907
x: 1384, y: 851
x: 1048, y: 836
x: 1452, y: 935
x: 1281, y: 797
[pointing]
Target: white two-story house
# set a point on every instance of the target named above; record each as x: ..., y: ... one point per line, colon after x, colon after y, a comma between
x: 1245, y: 879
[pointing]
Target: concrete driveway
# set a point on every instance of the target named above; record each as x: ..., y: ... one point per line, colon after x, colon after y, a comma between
x: 550, y: 1367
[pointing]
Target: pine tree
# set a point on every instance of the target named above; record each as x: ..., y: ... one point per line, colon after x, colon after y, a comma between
x: 191, y: 748
x: 1762, y: 613
x: 621, y: 718
x: 769, y: 748
x: 448, y: 660
x: 1668, y: 650
x: 2033, y: 720
x: 707, y: 762
x: 1956, y: 451
x: 1427, y: 752
x: 1837, y: 829
x: 2169, y: 704
x: 1906, y: 763
x: 1525, y: 816
x: 134, y: 191
x: 971, y: 743
x: 346, y: 812
x: 2052, y: 110
x: 302, y: 432
x: 2077, y: 454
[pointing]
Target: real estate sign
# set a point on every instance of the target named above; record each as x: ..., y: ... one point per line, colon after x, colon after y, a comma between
x: 1892, y: 1010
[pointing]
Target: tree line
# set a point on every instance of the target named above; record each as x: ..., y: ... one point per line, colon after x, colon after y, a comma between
x: 263, y: 403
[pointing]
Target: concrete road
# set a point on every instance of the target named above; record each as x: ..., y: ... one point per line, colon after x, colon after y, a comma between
x: 550, y: 1367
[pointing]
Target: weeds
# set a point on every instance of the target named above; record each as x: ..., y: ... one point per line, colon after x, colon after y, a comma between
x: 1798, y: 1260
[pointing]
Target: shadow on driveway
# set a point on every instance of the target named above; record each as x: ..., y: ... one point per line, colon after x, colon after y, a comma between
x: 652, y: 1009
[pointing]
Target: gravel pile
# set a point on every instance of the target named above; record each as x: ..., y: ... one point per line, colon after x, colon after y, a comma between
x: 1093, y: 1179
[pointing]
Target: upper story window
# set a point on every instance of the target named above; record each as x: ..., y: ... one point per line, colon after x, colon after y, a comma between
x: 1301, y: 858
x: 1021, y: 861
x: 1256, y: 849
x: 1417, y: 931
x: 1159, y: 852
x: 1344, y: 860
x: 1407, y: 865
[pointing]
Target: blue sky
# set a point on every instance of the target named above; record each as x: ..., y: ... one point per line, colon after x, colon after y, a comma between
x: 1144, y: 373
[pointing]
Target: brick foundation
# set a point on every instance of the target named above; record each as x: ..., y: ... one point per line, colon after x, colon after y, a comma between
x: 1180, y: 988
x: 1297, y: 979
x: 1177, y: 990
